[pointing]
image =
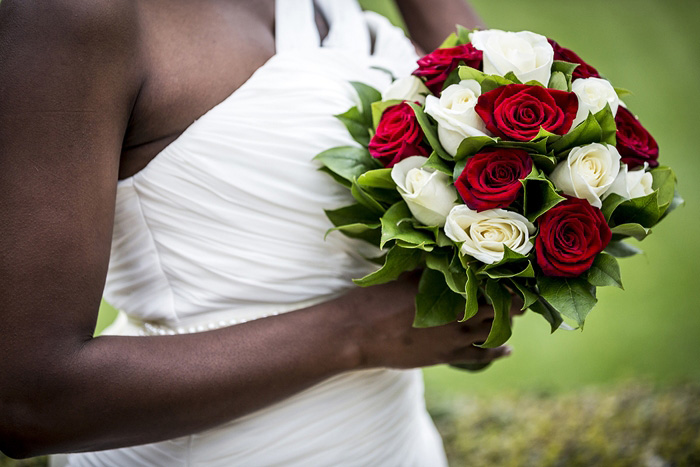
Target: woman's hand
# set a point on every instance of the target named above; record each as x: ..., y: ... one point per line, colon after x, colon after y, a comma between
x: 382, y: 317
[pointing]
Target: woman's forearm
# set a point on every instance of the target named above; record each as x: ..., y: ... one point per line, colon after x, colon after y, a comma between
x: 429, y: 22
x: 119, y: 391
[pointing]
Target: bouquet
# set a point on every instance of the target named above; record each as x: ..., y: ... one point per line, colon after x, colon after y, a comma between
x: 503, y: 165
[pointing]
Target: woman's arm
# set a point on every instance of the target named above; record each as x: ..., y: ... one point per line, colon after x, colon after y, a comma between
x: 70, y: 71
x: 430, y: 22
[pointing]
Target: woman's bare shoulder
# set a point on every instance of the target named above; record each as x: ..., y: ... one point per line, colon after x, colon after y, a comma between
x: 82, y: 23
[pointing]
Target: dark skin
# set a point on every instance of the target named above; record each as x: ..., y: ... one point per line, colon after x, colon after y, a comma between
x: 90, y: 92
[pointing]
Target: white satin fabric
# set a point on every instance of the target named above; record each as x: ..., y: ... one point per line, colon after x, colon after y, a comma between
x: 226, y: 224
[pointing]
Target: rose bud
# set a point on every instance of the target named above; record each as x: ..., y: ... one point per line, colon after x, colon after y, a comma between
x: 528, y: 55
x: 437, y: 66
x: 517, y: 111
x: 583, y: 70
x: 408, y: 88
x: 398, y: 136
x: 571, y: 234
x: 491, y: 178
x: 631, y: 184
x: 593, y: 95
x: 484, y: 234
x: 428, y: 193
x: 634, y: 142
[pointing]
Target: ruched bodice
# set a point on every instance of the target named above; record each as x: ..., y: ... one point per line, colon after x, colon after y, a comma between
x: 230, y: 216
x: 227, y: 224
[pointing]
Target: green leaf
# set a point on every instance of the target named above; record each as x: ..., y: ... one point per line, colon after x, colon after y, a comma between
x: 451, y: 41
x: 529, y: 297
x: 608, y: 128
x: 544, y: 162
x: 586, y: 132
x: 572, y: 297
x: 622, y: 92
x: 377, y: 178
x: 463, y: 35
x: 500, y: 329
x: 364, y: 198
x: 367, y: 232
x: 605, y: 272
x: 467, y: 72
x: 539, y: 195
x: 458, y: 169
x: 378, y: 109
x: 367, y: 95
x: 491, y: 82
x: 397, y: 225
x: 610, y: 203
x: 348, y: 162
x: 631, y: 230
x: 472, y: 291
x: 621, y: 249
x: 505, y: 272
x: 511, y: 77
x: 471, y: 145
x: 549, y: 313
x: 675, y: 202
x: 346, y: 183
x: 558, y: 81
x: 436, y: 163
x: 398, y: 260
x: 643, y: 210
x: 451, y: 268
x: 352, y: 214
x: 510, y: 257
x: 564, y: 67
x: 425, y: 246
x: 356, y: 125
x: 664, y: 180
x: 436, y: 304
x: 429, y: 131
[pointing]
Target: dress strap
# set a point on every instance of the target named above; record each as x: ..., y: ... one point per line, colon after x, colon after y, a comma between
x: 295, y: 25
x: 348, y: 27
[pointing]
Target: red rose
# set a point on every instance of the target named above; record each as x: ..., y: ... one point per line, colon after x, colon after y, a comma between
x: 491, y: 178
x: 517, y: 111
x: 571, y: 234
x: 436, y: 66
x: 398, y: 136
x: 634, y: 143
x: 583, y: 70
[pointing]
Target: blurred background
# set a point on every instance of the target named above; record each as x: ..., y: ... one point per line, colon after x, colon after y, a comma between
x: 626, y: 391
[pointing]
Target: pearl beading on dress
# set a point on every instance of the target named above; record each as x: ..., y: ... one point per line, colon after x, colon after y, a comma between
x: 150, y: 329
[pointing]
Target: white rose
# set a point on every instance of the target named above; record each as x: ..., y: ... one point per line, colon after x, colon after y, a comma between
x: 455, y: 115
x: 588, y: 172
x: 409, y: 88
x: 631, y: 183
x: 484, y: 233
x: 428, y: 193
x: 525, y: 53
x: 593, y: 94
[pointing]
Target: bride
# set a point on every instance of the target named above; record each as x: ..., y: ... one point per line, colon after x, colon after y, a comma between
x: 206, y: 235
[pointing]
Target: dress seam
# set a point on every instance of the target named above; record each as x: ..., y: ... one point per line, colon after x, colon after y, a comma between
x: 155, y: 249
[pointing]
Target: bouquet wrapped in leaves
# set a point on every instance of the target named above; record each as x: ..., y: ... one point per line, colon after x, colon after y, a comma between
x: 504, y: 165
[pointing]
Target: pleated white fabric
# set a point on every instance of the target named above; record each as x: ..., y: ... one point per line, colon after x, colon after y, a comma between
x: 226, y: 224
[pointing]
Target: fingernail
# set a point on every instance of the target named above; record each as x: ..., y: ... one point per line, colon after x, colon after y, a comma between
x: 507, y: 350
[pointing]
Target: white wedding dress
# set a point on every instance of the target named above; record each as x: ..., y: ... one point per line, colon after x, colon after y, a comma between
x: 226, y: 225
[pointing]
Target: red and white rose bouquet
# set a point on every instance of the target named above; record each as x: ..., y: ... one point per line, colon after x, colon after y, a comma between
x: 504, y: 165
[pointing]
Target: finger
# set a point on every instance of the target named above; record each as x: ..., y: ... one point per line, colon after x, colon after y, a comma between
x: 485, y: 313
x: 473, y: 354
x: 516, y: 305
